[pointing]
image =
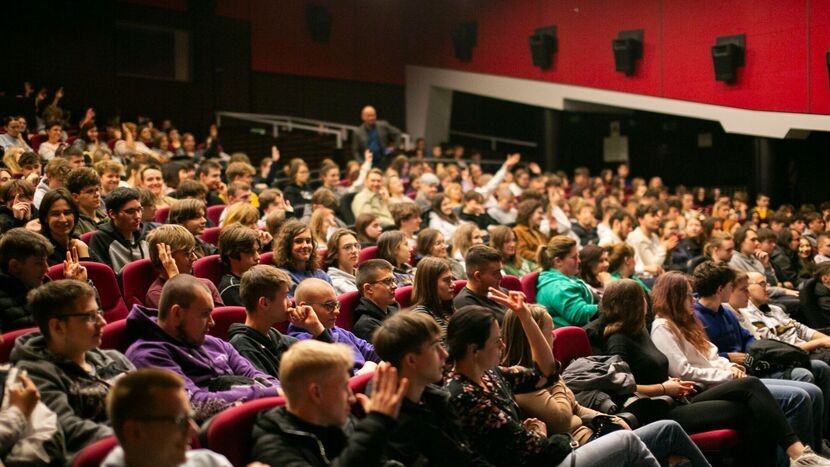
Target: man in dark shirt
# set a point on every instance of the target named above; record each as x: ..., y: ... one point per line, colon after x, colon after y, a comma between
x: 474, y: 211
x: 264, y: 292
x: 483, y: 265
x: 373, y: 136
x: 428, y: 431
x: 376, y: 285
x: 239, y: 249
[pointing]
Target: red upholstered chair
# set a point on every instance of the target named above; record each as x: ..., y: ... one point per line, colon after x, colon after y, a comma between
x: 321, y: 253
x: 266, y: 258
x: 224, y: 316
x: 403, y: 295
x: 94, y: 454
x: 104, y: 279
x: 229, y: 433
x: 136, y: 278
x: 161, y: 214
x: 370, y: 252
x: 36, y: 140
x: 529, y: 286
x: 458, y: 285
x: 208, y: 267
x: 359, y: 383
x: 348, y: 302
x: 511, y: 283
x: 8, y: 340
x: 114, y: 336
x: 86, y: 237
x: 213, y: 213
x: 211, y: 235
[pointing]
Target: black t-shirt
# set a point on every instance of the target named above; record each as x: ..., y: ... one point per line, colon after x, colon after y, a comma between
x: 468, y: 297
x: 648, y: 364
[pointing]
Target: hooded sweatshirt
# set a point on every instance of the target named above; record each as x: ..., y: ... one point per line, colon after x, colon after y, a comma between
x: 14, y: 313
x: 363, y: 351
x: 568, y: 300
x: 108, y: 246
x: 199, y: 366
x: 368, y: 316
x: 78, y: 397
x: 342, y: 281
x: 264, y: 352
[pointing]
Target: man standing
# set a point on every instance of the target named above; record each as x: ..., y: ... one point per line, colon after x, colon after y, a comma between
x: 374, y: 136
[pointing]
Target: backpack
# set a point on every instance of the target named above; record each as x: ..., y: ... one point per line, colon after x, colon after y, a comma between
x: 769, y: 356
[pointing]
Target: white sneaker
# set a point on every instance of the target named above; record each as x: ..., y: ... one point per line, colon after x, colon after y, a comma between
x: 808, y: 457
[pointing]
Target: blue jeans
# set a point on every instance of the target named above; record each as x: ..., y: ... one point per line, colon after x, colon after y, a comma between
x: 618, y: 448
x: 798, y: 406
x: 665, y: 437
x: 818, y: 376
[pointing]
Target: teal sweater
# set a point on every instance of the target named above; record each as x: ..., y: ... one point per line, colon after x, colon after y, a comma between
x: 568, y: 299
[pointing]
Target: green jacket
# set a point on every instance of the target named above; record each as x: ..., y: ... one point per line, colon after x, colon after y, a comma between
x: 568, y: 299
x: 617, y: 276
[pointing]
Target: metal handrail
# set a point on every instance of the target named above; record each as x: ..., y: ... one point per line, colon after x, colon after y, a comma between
x: 494, y: 140
x: 301, y: 123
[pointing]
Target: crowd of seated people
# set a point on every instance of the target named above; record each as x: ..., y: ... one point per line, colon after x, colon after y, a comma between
x: 402, y: 269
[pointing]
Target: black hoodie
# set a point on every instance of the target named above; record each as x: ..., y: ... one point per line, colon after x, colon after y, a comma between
x: 108, y: 246
x: 368, y: 316
x: 264, y: 352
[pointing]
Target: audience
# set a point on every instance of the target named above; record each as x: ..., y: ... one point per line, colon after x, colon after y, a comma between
x: 649, y: 250
x: 295, y: 252
x: 372, y: 199
x: 394, y: 248
x: 342, y: 253
x: 568, y: 299
x: 442, y: 217
x: 528, y: 236
x: 368, y: 229
x: 57, y: 215
x: 17, y: 210
x: 593, y: 268
x: 122, y: 239
x: 376, y: 284
x: 503, y: 240
x: 239, y: 252
x: 85, y: 187
x: 484, y: 267
x: 190, y: 214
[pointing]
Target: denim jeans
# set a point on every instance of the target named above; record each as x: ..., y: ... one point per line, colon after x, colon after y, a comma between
x: 798, y: 406
x: 818, y: 375
x: 665, y: 437
x: 618, y: 448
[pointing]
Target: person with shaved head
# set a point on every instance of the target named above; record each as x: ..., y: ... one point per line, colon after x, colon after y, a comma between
x: 372, y: 137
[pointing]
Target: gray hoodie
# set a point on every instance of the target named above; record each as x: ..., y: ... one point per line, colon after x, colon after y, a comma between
x: 342, y: 281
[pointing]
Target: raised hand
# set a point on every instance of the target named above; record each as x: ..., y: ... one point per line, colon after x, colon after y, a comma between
x: 24, y: 395
x: 265, y: 238
x: 275, y: 154
x: 388, y: 392
x: 167, y: 261
x: 72, y: 267
x: 514, y: 300
x: 534, y: 168
x: 512, y: 159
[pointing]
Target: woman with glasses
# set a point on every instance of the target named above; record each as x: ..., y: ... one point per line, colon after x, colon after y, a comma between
x: 295, y: 252
x: 342, y: 252
x: 431, y: 243
x: 434, y: 291
x: 482, y: 393
x: 393, y: 247
x: 57, y: 215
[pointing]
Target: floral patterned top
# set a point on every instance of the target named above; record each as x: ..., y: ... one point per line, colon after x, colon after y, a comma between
x: 490, y: 416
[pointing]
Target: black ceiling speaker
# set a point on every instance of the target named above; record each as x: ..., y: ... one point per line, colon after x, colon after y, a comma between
x: 727, y: 55
x: 464, y: 38
x: 543, y: 44
x: 628, y: 48
x: 318, y: 18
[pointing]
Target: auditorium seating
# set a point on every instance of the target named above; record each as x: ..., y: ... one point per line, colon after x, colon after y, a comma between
x: 213, y: 213
x: 211, y: 234
x: 229, y: 433
x: 136, y: 278
x: 511, y: 283
x: 87, y: 237
x: 458, y: 285
x: 114, y: 336
x: 348, y: 302
x: 105, y: 282
x: 162, y: 214
x: 403, y: 295
x: 529, y: 286
x: 7, y: 341
x: 370, y: 252
x: 223, y: 317
x: 209, y: 267
x: 94, y: 454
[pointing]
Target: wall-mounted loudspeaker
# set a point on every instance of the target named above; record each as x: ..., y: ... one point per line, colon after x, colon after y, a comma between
x: 464, y: 38
x: 628, y: 48
x: 727, y: 56
x: 318, y: 18
x: 543, y: 44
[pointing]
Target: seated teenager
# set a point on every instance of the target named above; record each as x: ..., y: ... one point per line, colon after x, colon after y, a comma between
x: 264, y: 293
x: 528, y: 236
x: 150, y: 414
x: 433, y: 291
x: 442, y: 217
x: 622, y: 262
x: 57, y: 216
x: 23, y: 266
x: 295, y: 252
x: 585, y: 226
x: 394, y: 248
x: 407, y: 217
x: 342, y: 253
x: 171, y: 252
x: 216, y: 375
x: 465, y: 237
x: 16, y: 210
x: 368, y: 229
x: 64, y: 361
x: 568, y: 300
x: 308, y: 430
x: 503, y: 240
x: 557, y: 407
x: 593, y: 269
x: 474, y: 210
x: 376, y: 285
x: 684, y: 352
x: 482, y: 393
x: 677, y: 257
x: 190, y: 214
x: 85, y: 186
x: 483, y: 273
x: 122, y: 239
x: 319, y: 295
x: 55, y: 173
x: 431, y: 242
x: 239, y: 249
x: 429, y: 432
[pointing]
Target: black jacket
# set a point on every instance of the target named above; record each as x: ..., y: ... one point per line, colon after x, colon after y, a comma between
x: 299, y: 196
x: 14, y: 314
x: 368, y: 316
x: 785, y: 264
x: 8, y: 221
x: 586, y: 236
x: 264, y: 352
x: 429, y: 433
x: 482, y: 220
x: 281, y: 439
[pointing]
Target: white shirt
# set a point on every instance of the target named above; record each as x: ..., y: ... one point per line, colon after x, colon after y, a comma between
x: 685, y: 361
x: 195, y: 458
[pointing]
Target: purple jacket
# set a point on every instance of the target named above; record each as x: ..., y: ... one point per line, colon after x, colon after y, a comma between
x: 154, y: 348
x: 363, y: 351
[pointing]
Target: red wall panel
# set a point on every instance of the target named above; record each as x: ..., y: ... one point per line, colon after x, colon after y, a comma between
x: 819, y: 46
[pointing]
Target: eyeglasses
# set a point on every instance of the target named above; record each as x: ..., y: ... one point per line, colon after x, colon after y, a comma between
x: 762, y: 284
x: 89, y: 317
x: 181, y: 421
x: 330, y: 305
x: 388, y: 281
x: 351, y: 246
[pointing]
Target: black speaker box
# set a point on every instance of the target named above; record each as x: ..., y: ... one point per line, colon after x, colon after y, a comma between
x: 464, y: 38
x: 543, y: 45
x: 628, y: 48
x: 727, y: 56
x: 318, y: 18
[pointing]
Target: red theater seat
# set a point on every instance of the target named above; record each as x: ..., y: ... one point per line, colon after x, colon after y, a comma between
x: 529, y: 286
x: 348, y: 302
x: 213, y: 213
x: 511, y: 283
x: 105, y: 282
x: 87, y: 237
x: 211, y: 235
x: 8, y: 340
x: 161, y: 214
x: 403, y: 295
x: 209, y: 267
x: 370, y: 252
x: 94, y: 454
x: 224, y: 316
x: 136, y: 278
x: 114, y: 336
x: 229, y: 433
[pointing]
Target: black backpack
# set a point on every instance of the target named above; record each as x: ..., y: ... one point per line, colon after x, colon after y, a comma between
x: 769, y: 356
